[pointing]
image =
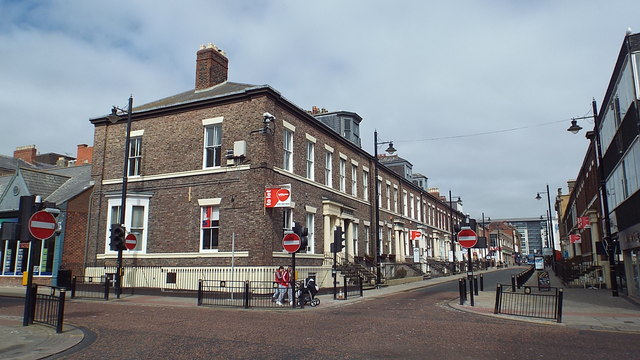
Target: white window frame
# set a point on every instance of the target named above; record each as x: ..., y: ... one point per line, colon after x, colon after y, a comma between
x: 354, y: 228
x: 310, y: 225
x: 132, y: 200
x: 365, y: 185
x: 342, y: 169
x: 395, y: 198
x: 367, y: 244
x: 287, y: 221
x: 405, y: 208
x: 214, y: 213
x: 412, y: 209
x: 310, y: 160
x: 354, y: 180
x: 287, y: 146
x: 328, y: 169
x: 388, y: 196
x: 134, y: 156
x: 212, y: 149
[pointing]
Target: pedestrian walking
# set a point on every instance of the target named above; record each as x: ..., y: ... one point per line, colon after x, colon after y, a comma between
x: 277, y: 278
x: 283, y: 284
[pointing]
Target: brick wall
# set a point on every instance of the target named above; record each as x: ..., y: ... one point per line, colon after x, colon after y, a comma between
x: 75, y: 233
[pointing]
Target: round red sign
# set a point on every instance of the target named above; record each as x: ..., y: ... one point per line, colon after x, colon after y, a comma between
x: 467, y: 238
x: 283, y: 195
x: 291, y: 242
x: 42, y: 225
x: 130, y: 242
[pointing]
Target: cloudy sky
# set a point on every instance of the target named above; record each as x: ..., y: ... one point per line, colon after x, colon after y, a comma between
x: 477, y: 95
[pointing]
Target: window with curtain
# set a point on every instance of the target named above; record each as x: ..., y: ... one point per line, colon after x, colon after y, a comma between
x: 212, y: 145
x: 210, y: 227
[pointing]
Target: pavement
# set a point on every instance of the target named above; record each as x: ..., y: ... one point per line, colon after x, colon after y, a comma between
x: 584, y: 309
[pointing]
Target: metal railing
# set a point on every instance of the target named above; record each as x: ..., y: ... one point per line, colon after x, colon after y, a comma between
x: 245, y: 294
x: 48, y: 307
x: 547, y: 305
x: 521, y: 278
x: 94, y: 287
x: 352, y: 286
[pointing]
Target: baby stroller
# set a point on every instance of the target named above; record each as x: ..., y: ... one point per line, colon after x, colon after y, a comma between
x: 306, y: 293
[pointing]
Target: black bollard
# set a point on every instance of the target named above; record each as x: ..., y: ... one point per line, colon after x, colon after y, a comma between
x: 481, y: 282
x: 475, y: 285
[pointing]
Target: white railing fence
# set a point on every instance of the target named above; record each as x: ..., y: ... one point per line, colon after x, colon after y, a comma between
x: 187, y: 278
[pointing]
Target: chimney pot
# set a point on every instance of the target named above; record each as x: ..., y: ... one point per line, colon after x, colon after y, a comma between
x: 212, y: 67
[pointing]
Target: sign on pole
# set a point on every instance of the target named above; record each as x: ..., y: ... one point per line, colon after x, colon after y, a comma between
x: 42, y: 225
x: 575, y: 238
x: 130, y: 242
x: 583, y: 222
x: 291, y: 242
x: 467, y: 238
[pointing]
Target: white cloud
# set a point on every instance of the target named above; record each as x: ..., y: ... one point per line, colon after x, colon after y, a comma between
x: 413, y: 70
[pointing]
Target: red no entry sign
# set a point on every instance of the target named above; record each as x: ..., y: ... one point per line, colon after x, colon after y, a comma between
x: 42, y: 225
x: 467, y: 238
x: 130, y: 242
x: 291, y: 242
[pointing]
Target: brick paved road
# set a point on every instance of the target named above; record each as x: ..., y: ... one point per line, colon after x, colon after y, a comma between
x: 411, y: 325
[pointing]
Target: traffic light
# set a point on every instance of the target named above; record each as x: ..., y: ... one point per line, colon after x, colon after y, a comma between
x: 26, y: 209
x: 302, y: 233
x: 117, y: 237
x: 472, y: 223
x: 338, y: 240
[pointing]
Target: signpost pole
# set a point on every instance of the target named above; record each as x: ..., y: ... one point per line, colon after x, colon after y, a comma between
x: 293, y: 280
x: 291, y: 243
x: 470, y: 275
x: 468, y: 238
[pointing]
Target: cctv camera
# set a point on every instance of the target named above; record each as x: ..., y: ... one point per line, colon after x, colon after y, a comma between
x: 268, y: 117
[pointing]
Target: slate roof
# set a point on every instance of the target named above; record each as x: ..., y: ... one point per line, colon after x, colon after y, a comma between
x: 56, y: 185
x: 11, y: 163
x: 42, y: 183
x: 226, y: 88
x: 4, y: 182
x: 78, y: 181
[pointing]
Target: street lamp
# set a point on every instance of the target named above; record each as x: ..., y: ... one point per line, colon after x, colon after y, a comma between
x: 550, y: 219
x: 608, y: 240
x: 484, y: 235
x: 113, y: 118
x: 453, y: 234
x: 378, y: 244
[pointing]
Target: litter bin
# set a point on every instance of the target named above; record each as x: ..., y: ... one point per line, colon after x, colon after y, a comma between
x: 64, y: 279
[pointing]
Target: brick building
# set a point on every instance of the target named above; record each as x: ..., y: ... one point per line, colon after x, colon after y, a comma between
x: 602, y: 204
x: 199, y: 164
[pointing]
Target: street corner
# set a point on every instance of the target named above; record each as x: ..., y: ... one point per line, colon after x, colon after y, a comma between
x: 35, y: 341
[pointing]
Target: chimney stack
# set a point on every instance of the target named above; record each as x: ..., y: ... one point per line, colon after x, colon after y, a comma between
x: 26, y: 153
x: 212, y: 67
x: 85, y: 153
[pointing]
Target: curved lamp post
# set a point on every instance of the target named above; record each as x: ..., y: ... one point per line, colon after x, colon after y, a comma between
x: 378, y: 245
x: 551, y: 231
x: 113, y: 118
x: 453, y: 234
